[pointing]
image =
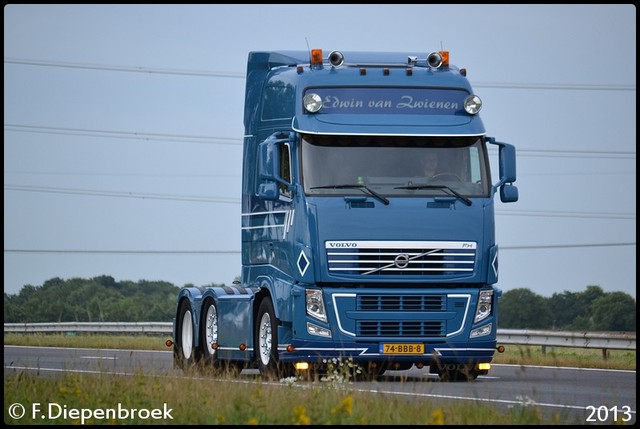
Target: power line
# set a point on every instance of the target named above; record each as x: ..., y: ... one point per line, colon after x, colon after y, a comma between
x: 126, y: 252
x: 238, y: 141
x: 599, y: 154
x: 571, y: 214
x: 561, y: 246
x: 123, y: 134
x: 554, y: 86
x: 102, y: 174
x: 106, y: 193
x: 147, y: 70
x: 237, y: 75
x: 149, y: 196
x: 219, y: 252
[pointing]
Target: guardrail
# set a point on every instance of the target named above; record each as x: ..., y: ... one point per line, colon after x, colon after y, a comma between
x: 588, y: 340
x: 156, y: 328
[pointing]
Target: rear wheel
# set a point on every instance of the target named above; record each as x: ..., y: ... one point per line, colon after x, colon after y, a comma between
x: 209, y: 334
x: 185, y: 354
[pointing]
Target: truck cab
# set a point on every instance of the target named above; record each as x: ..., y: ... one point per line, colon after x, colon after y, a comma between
x: 368, y: 225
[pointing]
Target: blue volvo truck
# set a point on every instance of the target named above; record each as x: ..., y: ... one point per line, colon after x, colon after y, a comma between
x: 368, y: 227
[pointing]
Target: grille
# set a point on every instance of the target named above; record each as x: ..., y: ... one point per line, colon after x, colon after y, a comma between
x: 390, y: 328
x: 379, y: 258
x: 401, y: 303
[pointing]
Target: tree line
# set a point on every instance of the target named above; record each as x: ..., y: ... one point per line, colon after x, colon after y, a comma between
x: 102, y: 299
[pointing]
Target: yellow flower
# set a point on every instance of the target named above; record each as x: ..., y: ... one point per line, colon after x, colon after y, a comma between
x: 437, y: 417
x: 346, y: 406
x: 301, y: 417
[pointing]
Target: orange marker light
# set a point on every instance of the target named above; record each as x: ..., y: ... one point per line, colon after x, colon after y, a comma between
x: 316, y: 57
x: 445, y: 58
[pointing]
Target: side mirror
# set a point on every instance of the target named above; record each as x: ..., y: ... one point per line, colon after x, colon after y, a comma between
x: 507, y: 159
x: 508, y: 193
x: 268, y: 190
x: 268, y: 164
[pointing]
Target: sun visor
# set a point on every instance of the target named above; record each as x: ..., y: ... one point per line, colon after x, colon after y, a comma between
x: 393, y: 111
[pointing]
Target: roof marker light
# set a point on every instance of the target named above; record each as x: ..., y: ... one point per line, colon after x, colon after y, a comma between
x: 445, y: 58
x: 316, y: 57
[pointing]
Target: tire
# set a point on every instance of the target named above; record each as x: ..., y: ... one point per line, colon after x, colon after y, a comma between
x: 209, y: 335
x: 186, y: 354
x: 266, y: 343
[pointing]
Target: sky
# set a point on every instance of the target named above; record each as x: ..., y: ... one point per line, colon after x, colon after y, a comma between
x: 123, y: 129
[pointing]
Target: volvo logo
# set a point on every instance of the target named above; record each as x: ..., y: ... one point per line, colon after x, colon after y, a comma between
x: 332, y: 245
x: 401, y: 261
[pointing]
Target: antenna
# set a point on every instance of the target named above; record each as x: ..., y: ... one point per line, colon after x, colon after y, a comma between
x: 308, y: 48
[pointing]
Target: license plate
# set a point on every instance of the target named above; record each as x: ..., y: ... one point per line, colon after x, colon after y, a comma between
x: 402, y: 349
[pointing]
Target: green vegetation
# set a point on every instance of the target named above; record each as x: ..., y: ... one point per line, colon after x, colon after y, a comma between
x: 567, y: 357
x: 91, y: 341
x: 226, y: 400
x: 591, y: 310
x: 102, y: 299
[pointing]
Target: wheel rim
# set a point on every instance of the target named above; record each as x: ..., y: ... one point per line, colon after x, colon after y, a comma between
x: 211, y: 329
x: 186, y: 340
x: 264, y: 341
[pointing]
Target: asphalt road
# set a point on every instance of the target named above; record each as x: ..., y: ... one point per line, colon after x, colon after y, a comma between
x: 593, y: 396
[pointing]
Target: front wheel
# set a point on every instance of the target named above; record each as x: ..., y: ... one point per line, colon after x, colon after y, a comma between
x: 266, y: 342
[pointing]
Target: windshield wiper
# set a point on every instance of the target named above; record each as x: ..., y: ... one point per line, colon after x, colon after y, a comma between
x: 466, y: 200
x: 363, y: 188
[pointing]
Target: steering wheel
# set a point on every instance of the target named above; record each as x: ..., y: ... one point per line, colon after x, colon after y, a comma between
x: 447, y: 176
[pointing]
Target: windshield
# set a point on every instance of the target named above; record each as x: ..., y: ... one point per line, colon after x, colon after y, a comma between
x: 394, y: 166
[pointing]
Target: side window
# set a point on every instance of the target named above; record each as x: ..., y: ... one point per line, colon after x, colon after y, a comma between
x: 285, y: 169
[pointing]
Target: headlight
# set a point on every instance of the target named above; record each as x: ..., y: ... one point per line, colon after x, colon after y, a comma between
x: 472, y: 104
x: 485, y: 301
x: 312, y: 102
x: 315, y: 304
